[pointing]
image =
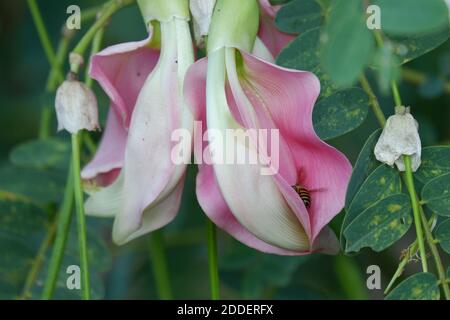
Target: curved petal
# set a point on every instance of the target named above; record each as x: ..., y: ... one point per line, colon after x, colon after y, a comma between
x: 108, y: 160
x: 150, y: 173
x: 286, y: 98
x: 258, y: 205
x: 157, y: 215
x: 273, y: 39
x: 121, y: 71
x: 208, y: 192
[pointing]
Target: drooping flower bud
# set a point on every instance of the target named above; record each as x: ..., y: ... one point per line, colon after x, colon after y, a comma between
x: 202, y: 11
x: 400, y: 137
x: 76, y: 106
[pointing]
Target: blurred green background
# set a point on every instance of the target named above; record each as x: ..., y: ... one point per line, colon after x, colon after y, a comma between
x: 126, y: 272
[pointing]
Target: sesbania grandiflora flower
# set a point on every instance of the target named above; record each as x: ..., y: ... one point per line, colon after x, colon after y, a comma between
x: 142, y: 186
x: 232, y: 89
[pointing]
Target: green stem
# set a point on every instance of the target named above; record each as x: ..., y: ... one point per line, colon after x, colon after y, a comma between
x: 52, y: 84
x: 412, y: 250
x: 159, y: 264
x: 435, y: 254
x: 38, y: 262
x: 428, y: 234
x: 419, y: 215
x: 81, y: 219
x: 44, y: 37
x: 396, y: 94
x: 409, y: 180
x: 110, y: 8
x: 96, y: 46
x: 64, y: 220
x: 61, y: 54
x: 375, y: 105
x: 212, y: 260
x: 45, y: 122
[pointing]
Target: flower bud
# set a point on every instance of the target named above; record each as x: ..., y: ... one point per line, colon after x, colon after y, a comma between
x: 400, y: 137
x: 202, y: 11
x: 76, y: 106
x: 234, y: 24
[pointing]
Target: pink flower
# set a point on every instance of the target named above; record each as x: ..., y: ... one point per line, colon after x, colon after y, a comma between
x: 232, y: 89
x: 140, y: 186
x: 121, y: 70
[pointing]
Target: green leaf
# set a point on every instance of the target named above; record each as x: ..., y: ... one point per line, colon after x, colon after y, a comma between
x: 380, y: 225
x: 21, y: 220
x: 406, y: 17
x: 340, y: 113
x: 380, y: 184
x: 435, y: 163
x: 42, y: 154
x: 99, y: 258
x: 365, y: 164
x: 349, y: 44
x: 22, y: 227
x: 436, y: 195
x: 299, y: 16
x: 421, y: 286
x: 39, y: 186
x: 303, y: 53
x: 410, y: 47
x: 442, y: 234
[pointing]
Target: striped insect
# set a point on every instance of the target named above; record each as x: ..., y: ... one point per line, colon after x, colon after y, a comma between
x: 303, y: 193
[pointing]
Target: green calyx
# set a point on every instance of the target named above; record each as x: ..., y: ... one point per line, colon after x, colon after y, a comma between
x: 234, y: 24
x: 163, y: 10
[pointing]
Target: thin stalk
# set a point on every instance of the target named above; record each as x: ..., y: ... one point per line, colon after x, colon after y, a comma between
x: 428, y: 234
x: 375, y: 105
x: 396, y: 94
x: 96, y: 46
x: 44, y: 37
x: 409, y: 180
x: 159, y: 264
x: 212, y: 261
x: 37, y: 263
x: 81, y: 219
x: 64, y: 220
x: 53, y: 82
x: 45, y: 122
x: 411, y: 251
x: 419, y: 214
x: 435, y: 253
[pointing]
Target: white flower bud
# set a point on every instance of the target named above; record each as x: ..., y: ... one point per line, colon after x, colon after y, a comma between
x: 76, y: 107
x: 400, y: 137
x: 202, y: 11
